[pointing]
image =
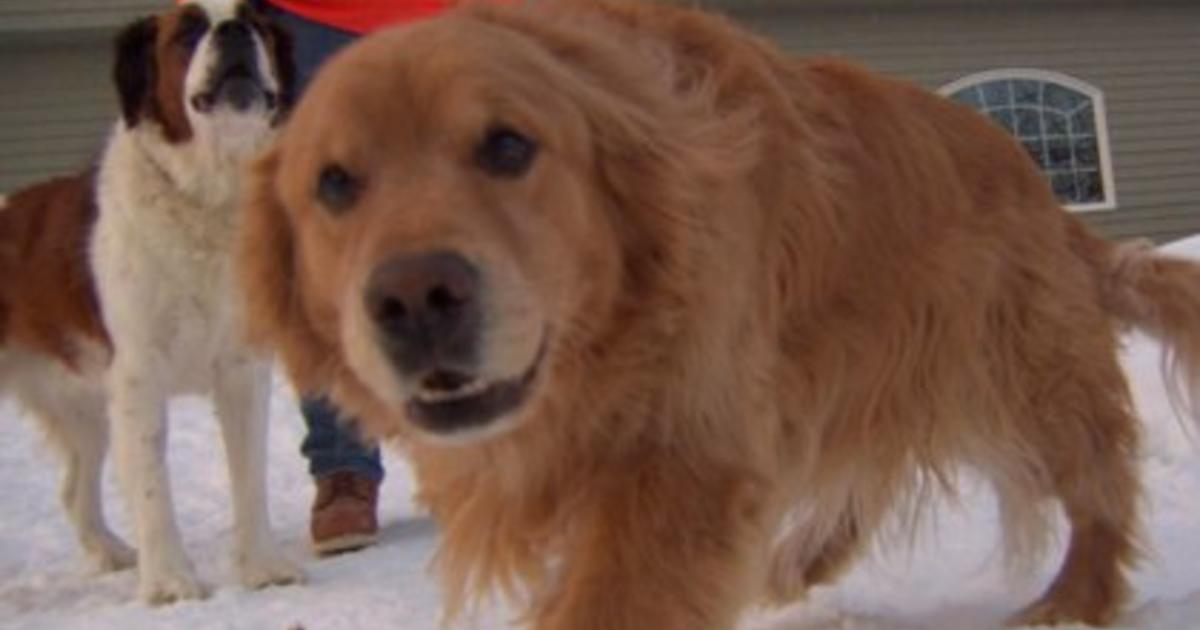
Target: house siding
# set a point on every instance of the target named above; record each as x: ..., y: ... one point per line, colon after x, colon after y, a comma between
x: 1144, y: 57
x: 56, y: 60
x: 58, y: 104
x: 58, y: 15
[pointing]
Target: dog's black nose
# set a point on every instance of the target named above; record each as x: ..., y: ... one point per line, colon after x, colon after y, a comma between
x: 234, y: 37
x: 426, y: 309
x: 233, y: 30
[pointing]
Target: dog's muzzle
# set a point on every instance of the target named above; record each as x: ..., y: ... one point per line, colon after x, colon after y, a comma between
x: 236, y: 81
x: 427, y: 313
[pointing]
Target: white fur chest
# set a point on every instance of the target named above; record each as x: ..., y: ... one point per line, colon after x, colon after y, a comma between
x: 161, y: 253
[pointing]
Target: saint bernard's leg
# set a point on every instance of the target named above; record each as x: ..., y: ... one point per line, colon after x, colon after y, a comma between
x: 85, y: 439
x: 72, y: 418
x: 138, y: 409
x: 242, y: 399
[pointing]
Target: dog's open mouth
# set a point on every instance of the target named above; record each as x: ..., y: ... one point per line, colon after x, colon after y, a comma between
x: 448, y: 402
x: 239, y: 88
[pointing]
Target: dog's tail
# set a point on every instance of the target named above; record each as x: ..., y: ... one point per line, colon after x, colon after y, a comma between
x: 1159, y: 295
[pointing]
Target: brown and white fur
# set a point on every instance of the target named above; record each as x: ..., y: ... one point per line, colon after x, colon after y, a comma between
x: 142, y: 247
x: 669, y: 321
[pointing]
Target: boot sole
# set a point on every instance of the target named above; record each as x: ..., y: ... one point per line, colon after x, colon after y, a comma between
x: 341, y: 544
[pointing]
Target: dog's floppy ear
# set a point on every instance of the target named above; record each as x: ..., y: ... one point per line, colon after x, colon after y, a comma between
x: 135, y: 69
x: 285, y: 65
x: 267, y: 273
x: 278, y: 39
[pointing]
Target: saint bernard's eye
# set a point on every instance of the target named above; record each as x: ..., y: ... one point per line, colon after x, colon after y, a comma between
x: 505, y: 152
x: 337, y: 189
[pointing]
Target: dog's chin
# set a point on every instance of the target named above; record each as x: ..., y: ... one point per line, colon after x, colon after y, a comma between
x: 238, y: 89
x: 241, y: 96
x: 453, y: 408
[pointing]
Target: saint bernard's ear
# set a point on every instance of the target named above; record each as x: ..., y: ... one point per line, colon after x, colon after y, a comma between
x: 135, y: 70
x: 279, y: 42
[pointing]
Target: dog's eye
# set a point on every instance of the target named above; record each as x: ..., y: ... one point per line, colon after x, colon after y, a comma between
x: 337, y: 189
x: 505, y: 152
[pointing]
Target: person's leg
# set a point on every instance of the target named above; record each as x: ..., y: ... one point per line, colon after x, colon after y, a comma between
x: 331, y: 446
x: 347, y: 472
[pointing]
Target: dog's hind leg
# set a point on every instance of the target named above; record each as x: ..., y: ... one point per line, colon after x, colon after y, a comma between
x: 242, y: 401
x: 72, y: 418
x: 84, y: 442
x: 1088, y: 448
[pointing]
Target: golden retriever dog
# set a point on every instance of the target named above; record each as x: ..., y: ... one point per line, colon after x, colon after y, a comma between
x: 669, y: 322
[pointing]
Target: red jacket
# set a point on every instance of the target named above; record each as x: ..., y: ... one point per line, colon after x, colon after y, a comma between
x: 362, y: 16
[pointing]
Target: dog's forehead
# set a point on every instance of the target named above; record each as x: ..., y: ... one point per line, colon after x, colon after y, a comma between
x: 216, y: 10
x: 396, y: 72
x: 441, y: 82
x: 438, y: 61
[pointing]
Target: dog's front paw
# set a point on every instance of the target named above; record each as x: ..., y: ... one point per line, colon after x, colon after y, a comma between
x: 169, y: 582
x: 268, y: 566
x: 1051, y: 611
x: 111, y: 554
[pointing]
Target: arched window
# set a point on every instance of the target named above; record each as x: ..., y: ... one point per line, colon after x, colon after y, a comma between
x: 1060, y: 121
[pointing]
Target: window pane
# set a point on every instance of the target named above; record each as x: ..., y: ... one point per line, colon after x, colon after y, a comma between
x: 995, y: 94
x: 1061, y: 98
x: 1087, y: 154
x: 969, y: 96
x: 1064, y: 186
x: 1026, y: 92
x: 1004, y: 117
x: 1059, y: 154
x: 1034, y: 149
x: 1090, y: 187
x: 1084, y: 122
x: 1056, y: 125
x: 1029, y: 123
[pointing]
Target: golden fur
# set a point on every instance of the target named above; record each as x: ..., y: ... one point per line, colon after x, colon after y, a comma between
x: 782, y: 298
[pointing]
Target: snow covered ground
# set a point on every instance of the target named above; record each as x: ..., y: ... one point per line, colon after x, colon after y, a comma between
x: 952, y: 577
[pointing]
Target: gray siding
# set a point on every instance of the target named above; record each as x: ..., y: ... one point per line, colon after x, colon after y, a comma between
x: 43, y: 15
x: 56, y: 58
x: 1145, y: 57
x: 58, y: 104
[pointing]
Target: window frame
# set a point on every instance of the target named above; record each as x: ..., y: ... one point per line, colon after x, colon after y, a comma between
x: 1099, y: 111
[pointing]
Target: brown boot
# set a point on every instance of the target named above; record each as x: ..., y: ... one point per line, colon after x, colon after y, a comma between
x: 343, y: 514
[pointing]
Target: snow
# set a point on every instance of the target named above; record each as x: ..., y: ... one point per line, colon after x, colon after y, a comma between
x: 951, y: 577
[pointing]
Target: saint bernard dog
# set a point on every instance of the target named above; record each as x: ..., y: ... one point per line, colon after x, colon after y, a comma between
x: 116, y: 289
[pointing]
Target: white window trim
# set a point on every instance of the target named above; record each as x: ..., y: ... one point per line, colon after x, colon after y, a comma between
x: 1091, y: 91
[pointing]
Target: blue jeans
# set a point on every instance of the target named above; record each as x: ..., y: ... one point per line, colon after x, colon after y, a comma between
x: 331, y: 445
